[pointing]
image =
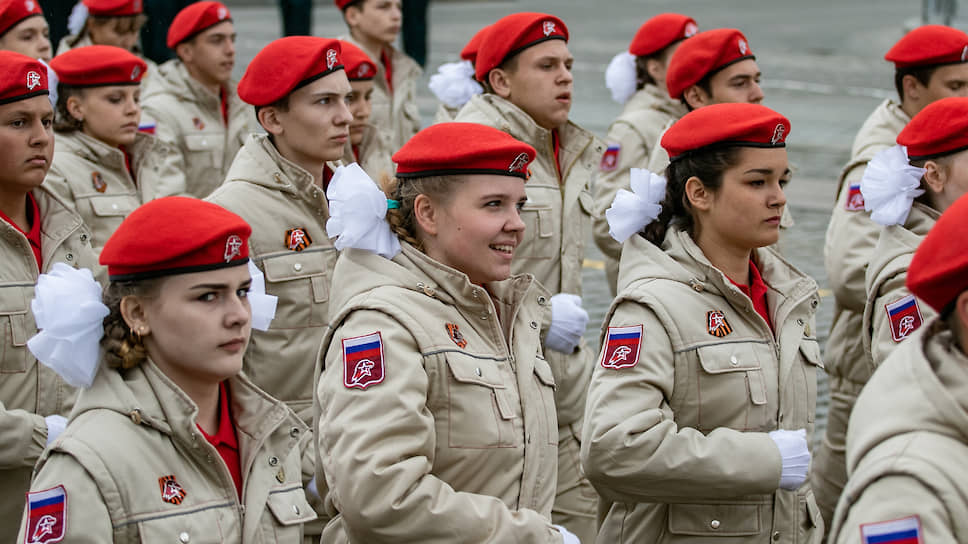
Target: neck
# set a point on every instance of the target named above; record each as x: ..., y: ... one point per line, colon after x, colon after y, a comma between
x: 13, y: 204
x: 213, y: 86
x: 370, y: 44
x: 315, y: 168
x: 728, y: 259
x: 206, y: 398
x: 910, y: 108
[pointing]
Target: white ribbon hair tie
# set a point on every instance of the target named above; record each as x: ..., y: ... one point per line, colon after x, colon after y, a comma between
x: 52, y: 81
x: 620, y: 77
x: 454, y: 83
x: 68, y: 311
x: 263, y: 305
x: 632, y: 210
x: 890, y: 185
x: 76, y: 20
x: 358, y: 210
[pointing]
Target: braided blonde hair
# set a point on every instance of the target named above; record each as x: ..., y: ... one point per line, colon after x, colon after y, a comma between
x: 123, y: 348
x: 402, y: 220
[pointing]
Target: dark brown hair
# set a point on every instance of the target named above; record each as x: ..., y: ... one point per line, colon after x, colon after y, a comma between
x: 921, y: 73
x: 122, y: 25
x: 63, y: 120
x: 122, y: 347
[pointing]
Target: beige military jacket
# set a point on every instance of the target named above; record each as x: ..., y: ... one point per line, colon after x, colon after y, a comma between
x: 288, y: 213
x: 189, y: 118
x: 448, y: 434
x: 29, y: 391
x: 886, y: 291
x: 851, y: 237
x: 907, y: 447
x: 445, y: 114
x: 374, y: 155
x: 396, y: 112
x: 558, y: 217
x: 631, y: 138
x: 676, y: 428
x: 92, y: 177
x: 134, y: 429
x: 150, y: 78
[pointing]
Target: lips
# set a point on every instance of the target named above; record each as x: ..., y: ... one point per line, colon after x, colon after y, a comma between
x: 507, y: 249
x: 233, y: 345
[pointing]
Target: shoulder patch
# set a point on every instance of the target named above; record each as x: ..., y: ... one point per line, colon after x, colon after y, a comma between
x: 610, y: 158
x: 896, y: 531
x: 716, y: 324
x: 171, y: 491
x: 454, y: 331
x: 363, y: 361
x: 46, y: 515
x: 622, y: 347
x: 855, y: 200
x: 297, y: 239
x: 905, y: 316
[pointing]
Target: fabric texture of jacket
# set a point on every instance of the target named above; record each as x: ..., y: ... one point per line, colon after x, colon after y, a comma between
x: 132, y: 446
x: 907, y: 445
x: 29, y: 391
x: 189, y: 118
x: 451, y: 435
x: 676, y: 437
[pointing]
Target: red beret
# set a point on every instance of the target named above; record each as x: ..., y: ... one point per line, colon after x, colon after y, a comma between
x: 726, y: 125
x: 97, y: 66
x: 929, y: 45
x: 469, y: 52
x: 176, y: 235
x: 21, y: 77
x: 463, y: 148
x: 14, y: 11
x: 941, y: 128
x: 703, y: 55
x: 113, y: 8
x: 356, y: 63
x: 939, y: 270
x: 660, y: 32
x: 287, y: 64
x: 342, y: 4
x: 194, y: 19
x: 512, y: 34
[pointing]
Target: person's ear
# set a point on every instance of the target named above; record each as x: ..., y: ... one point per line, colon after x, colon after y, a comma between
x: 75, y: 108
x: 698, y: 195
x: 935, y: 176
x: 135, y: 315
x: 500, y: 82
x: 696, y: 97
x: 269, y: 119
x: 425, y: 214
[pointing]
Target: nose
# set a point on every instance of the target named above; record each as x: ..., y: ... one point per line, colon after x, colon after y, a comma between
x: 515, y: 223
x: 230, y: 47
x: 238, y: 311
x: 779, y: 197
x: 41, y: 136
x: 345, y: 116
x: 756, y: 95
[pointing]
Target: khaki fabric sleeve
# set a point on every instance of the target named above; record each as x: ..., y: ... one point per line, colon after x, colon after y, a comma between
x: 378, y: 445
x: 896, y: 497
x: 851, y: 238
x: 56, y: 183
x: 170, y: 179
x: 632, y: 448
x: 23, y: 435
x: 658, y: 160
x: 882, y: 338
x: 633, y: 154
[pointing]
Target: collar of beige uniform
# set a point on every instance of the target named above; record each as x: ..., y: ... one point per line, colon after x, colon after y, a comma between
x: 59, y: 220
x: 404, y: 67
x: 896, y: 245
x: 173, y: 78
x: 654, y: 98
x: 506, y: 116
x: 260, y: 163
x: 98, y: 152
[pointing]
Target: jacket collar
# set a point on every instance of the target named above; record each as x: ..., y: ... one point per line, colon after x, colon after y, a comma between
x: 260, y: 163
x: 652, y: 97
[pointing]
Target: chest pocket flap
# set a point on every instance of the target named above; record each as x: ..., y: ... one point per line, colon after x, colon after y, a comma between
x: 113, y: 206
x: 811, y: 352
x: 729, y: 359
x: 543, y: 370
x: 714, y: 519
x: 14, y: 330
x: 290, y: 507
x: 587, y: 203
x: 471, y: 371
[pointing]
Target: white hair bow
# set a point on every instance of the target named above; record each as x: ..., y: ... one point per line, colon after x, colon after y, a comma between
x: 620, y: 77
x: 52, y: 81
x: 632, y: 210
x: 76, y: 20
x: 68, y: 311
x: 454, y: 83
x: 890, y: 185
x: 358, y: 210
x: 263, y: 305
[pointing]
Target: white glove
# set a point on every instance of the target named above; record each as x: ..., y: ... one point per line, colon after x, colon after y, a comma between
x: 796, y: 457
x: 568, y: 321
x: 566, y: 535
x: 55, y: 426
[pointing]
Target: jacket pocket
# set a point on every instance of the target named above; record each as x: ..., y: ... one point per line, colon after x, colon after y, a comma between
x: 14, y: 330
x: 295, y: 278
x: 810, y: 353
x: 811, y: 526
x: 200, y: 525
x: 203, y: 150
x: 113, y: 205
x: 481, y: 411
x: 290, y: 510
x: 539, y: 232
x: 715, y: 520
x: 732, y: 389
x: 545, y: 381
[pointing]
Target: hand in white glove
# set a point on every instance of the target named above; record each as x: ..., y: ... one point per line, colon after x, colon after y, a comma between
x: 796, y: 457
x: 568, y: 536
x: 55, y: 426
x: 568, y: 321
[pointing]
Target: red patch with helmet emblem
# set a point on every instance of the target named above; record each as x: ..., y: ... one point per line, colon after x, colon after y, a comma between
x: 610, y: 158
x: 622, y: 347
x: 363, y: 361
x: 716, y: 324
x: 46, y: 516
x: 905, y: 316
x: 98, y: 182
x: 171, y: 491
x: 454, y: 331
x: 297, y: 239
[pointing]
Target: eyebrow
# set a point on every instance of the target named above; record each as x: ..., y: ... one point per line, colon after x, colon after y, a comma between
x: 218, y: 286
x: 765, y: 171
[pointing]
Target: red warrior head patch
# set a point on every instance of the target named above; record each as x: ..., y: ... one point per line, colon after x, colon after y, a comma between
x: 905, y: 316
x: 46, y: 515
x: 171, y: 491
x: 199, y: 124
x: 622, y: 347
x: 98, y: 182
x: 610, y: 158
x: 363, y: 361
x: 716, y: 324
x: 855, y: 199
x: 297, y: 239
x: 456, y: 335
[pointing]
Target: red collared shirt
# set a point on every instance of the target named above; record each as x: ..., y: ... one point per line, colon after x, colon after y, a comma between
x: 556, y: 144
x: 224, y: 101
x: 33, y: 236
x: 388, y: 68
x: 225, y: 440
x: 756, y: 292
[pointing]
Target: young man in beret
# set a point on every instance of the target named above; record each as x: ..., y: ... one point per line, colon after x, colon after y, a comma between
x: 525, y: 65
x: 37, y: 230
x: 194, y: 103
x: 374, y: 26
x: 366, y: 145
x: 930, y: 63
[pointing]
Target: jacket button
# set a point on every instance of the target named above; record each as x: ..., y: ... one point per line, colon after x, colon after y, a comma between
x: 697, y: 287
x: 814, y: 303
x: 70, y: 256
x: 184, y: 538
x: 297, y: 267
x: 83, y: 237
x: 273, y: 461
x: 776, y: 535
x: 800, y: 322
x: 479, y: 373
x: 281, y: 476
x: 733, y: 360
x: 484, y: 317
x: 714, y: 524
x: 542, y: 300
x: 295, y: 509
x: 294, y: 432
x: 534, y: 324
x: 135, y: 416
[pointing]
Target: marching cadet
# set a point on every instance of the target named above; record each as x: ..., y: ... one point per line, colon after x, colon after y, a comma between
x: 104, y: 166
x: 906, y: 445
x: 454, y: 83
x: 366, y: 145
x: 169, y: 441
x: 637, y: 78
x: 24, y: 30
x: 436, y: 416
x: 525, y: 65
x: 374, y: 26
x: 194, y: 103
x: 702, y: 405
x: 38, y: 230
x: 929, y: 65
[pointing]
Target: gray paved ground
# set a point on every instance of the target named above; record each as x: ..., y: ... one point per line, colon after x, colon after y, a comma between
x: 822, y: 63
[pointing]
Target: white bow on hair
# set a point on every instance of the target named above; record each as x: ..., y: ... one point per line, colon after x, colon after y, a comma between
x: 621, y: 77
x: 632, y: 210
x: 890, y: 185
x: 454, y: 83
x: 358, y: 210
x: 76, y: 20
x: 52, y: 81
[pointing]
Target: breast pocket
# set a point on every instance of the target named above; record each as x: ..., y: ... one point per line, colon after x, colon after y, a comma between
x: 296, y: 278
x: 289, y: 510
x: 810, y: 354
x: 545, y: 381
x: 200, y: 525
x: 539, y: 232
x: 16, y: 326
x: 719, y: 521
x: 731, y: 387
x: 203, y: 150
x: 118, y: 206
x: 482, y: 412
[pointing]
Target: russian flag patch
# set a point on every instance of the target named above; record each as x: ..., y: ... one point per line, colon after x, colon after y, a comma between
x: 147, y: 128
x: 898, y: 531
x: 622, y: 346
x: 905, y: 317
x: 363, y: 361
x: 46, y: 515
x: 855, y: 199
x: 610, y: 158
